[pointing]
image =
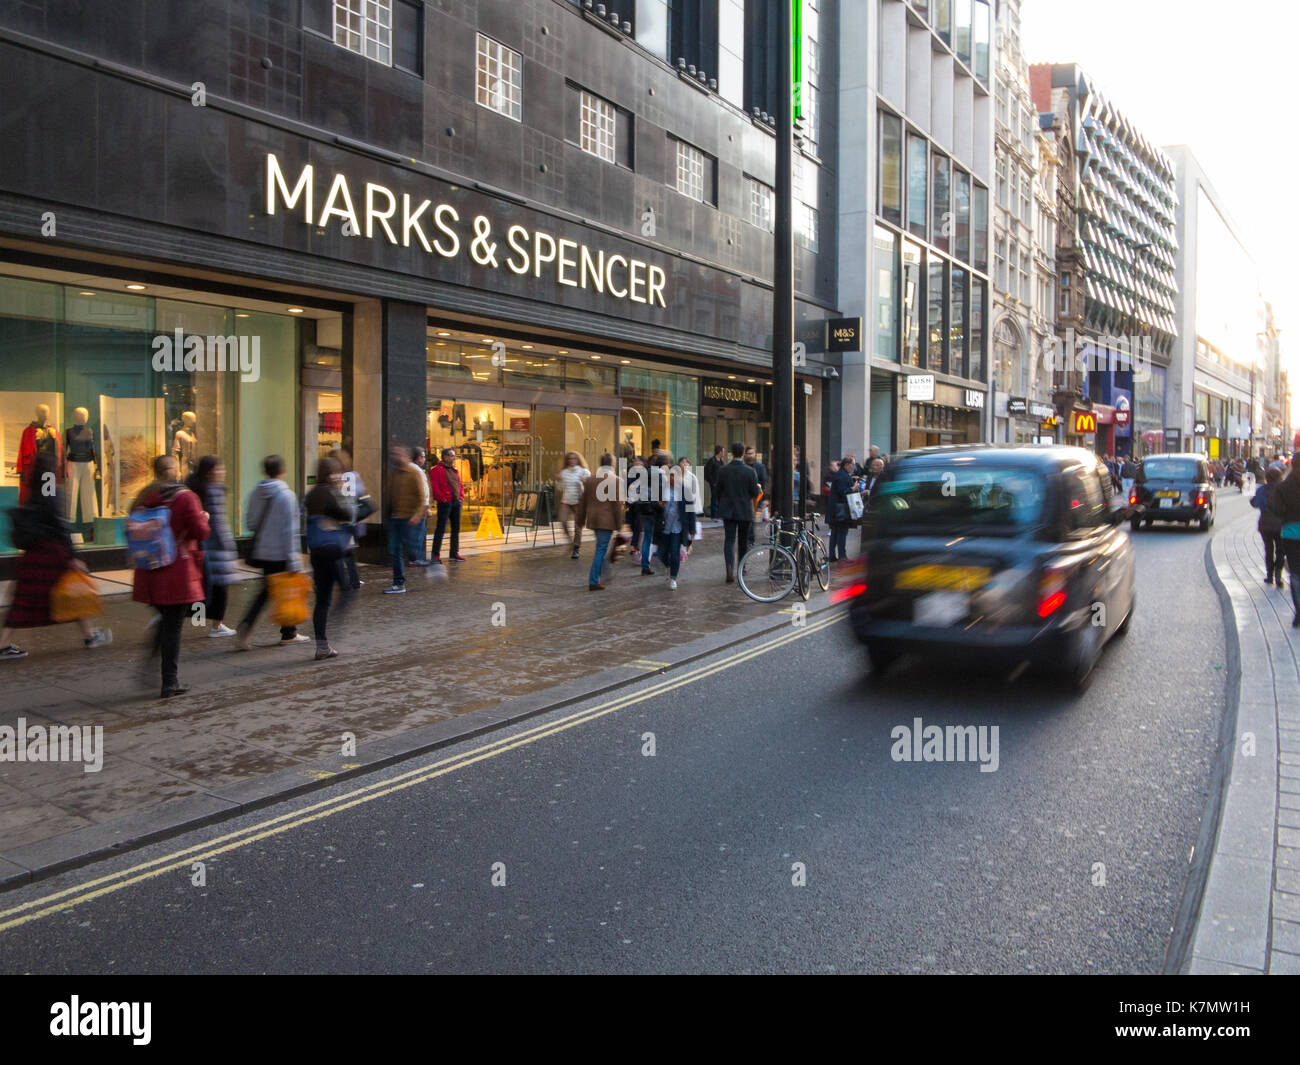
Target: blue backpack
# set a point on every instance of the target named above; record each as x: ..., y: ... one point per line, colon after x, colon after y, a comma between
x: 150, y: 542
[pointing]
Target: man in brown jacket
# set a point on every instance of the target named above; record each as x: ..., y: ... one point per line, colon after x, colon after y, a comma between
x: 601, y: 510
x: 408, y: 500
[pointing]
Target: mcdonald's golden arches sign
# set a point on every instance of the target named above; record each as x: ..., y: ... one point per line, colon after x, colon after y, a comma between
x: 1085, y: 421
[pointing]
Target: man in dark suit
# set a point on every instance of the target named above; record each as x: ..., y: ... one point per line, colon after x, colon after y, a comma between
x: 737, y: 490
x: 711, y: 469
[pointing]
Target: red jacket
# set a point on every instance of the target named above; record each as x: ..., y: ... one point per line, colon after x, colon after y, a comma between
x: 182, y: 581
x: 440, y: 485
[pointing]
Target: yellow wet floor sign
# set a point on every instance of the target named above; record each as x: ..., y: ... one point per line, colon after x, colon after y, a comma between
x: 489, y: 525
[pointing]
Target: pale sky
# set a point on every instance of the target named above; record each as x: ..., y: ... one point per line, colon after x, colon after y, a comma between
x: 1217, y: 77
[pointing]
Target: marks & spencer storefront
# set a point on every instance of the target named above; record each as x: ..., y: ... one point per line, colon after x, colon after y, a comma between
x: 384, y: 301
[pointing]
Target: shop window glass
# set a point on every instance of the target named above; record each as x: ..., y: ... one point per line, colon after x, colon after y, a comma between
x: 444, y: 360
x: 658, y: 406
x: 886, y: 332
x: 911, y: 304
x: 592, y: 376
x: 957, y: 323
x: 112, y: 355
x: 936, y: 293
x: 523, y: 369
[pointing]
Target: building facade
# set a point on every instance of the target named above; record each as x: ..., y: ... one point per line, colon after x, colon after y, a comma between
x: 1116, y: 328
x: 515, y: 227
x: 915, y: 170
x: 1222, y: 374
x: 1025, y: 221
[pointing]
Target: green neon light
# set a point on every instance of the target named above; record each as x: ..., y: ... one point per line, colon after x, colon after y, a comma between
x: 797, y: 68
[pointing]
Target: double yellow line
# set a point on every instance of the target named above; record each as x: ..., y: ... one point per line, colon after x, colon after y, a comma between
x: 59, y: 901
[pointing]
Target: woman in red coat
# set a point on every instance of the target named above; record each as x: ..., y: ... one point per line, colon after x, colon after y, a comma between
x: 171, y: 589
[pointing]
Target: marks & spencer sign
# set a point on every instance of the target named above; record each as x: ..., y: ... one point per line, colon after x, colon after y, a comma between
x: 373, y: 211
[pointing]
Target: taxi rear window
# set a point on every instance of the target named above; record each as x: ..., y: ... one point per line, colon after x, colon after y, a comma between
x: 1170, y: 469
x: 997, y: 499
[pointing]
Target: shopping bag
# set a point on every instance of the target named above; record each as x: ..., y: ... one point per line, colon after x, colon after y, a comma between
x: 855, y: 505
x: 73, y: 597
x: 288, y: 598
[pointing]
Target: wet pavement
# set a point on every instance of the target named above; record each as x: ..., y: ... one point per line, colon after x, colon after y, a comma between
x: 497, y: 626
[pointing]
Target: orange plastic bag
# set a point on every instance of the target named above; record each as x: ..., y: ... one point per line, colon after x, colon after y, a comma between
x: 288, y: 598
x: 74, y: 597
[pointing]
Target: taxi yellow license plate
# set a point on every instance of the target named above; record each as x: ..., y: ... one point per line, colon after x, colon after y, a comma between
x: 1167, y: 494
x: 949, y: 578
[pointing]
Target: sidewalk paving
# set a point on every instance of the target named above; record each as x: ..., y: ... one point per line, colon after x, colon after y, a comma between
x: 471, y: 646
x: 1249, y: 920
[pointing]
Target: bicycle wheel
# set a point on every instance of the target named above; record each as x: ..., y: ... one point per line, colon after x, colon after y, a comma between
x: 803, y: 571
x: 767, y: 573
x: 821, y: 563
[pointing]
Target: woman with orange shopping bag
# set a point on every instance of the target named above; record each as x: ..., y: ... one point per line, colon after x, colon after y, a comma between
x: 41, y: 534
x: 165, y: 534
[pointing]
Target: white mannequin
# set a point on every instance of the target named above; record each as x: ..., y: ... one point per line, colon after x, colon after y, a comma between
x: 79, y: 459
x: 185, y: 444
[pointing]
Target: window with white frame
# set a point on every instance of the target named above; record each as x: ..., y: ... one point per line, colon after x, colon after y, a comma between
x: 500, y: 84
x: 596, y: 126
x: 690, y: 171
x: 1001, y: 264
x: 1003, y: 200
x: 1024, y: 186
x: 805, y: 224
x: 365, y: 27
x: 761, y: 204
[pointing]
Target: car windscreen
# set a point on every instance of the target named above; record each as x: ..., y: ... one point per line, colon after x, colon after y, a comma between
x: 988, y: 498
x: 1170, y: 470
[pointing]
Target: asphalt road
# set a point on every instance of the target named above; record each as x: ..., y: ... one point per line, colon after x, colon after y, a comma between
x: 771, y: 765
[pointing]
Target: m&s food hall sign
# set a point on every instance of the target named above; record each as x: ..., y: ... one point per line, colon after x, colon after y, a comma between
x: 374, y: 211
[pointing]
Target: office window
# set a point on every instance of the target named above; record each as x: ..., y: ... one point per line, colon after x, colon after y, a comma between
x: 943, y: 20
x: 891, y: 168
x: 1000, y: 264
x: 500, y: 83
x: 695, y: 174
x: 886, y: 332
x: 1025, y: 186
x: 1003, y: 182
x: 597, y: 128
x: 365, y: 27
x: 761, y: 204
x: 980, y: 227
x: 941, y: 214
x: 961, y: 29
x: 982, y: 37
x: 1003, y: 113
x: 918, y: 185
x: 1065, y: 301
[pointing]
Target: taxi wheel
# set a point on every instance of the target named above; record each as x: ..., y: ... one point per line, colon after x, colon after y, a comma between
x: 1123, y: 625
x: 1206, y: 522
x: 1085, y: 652
x: 1135, y: 524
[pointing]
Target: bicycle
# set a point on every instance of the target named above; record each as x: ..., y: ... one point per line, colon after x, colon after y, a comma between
x: 790, y: 560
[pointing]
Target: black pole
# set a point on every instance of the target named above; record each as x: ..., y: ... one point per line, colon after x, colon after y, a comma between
x: 780, y: 462
x: 801, y: 438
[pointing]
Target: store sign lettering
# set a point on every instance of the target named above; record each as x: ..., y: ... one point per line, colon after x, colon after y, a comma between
x: 721, y: 396
x: 520, y: 251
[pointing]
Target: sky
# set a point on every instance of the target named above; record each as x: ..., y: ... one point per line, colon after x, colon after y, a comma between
x: 1216, y: 77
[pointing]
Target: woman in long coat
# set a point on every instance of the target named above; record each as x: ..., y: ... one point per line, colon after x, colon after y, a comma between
x: 42, y: 535
x: 208, y: 482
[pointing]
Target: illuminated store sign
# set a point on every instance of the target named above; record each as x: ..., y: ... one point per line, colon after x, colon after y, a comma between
x: 440, y: 230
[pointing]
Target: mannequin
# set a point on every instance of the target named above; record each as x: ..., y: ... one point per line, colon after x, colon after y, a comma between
x: 79, y: 464
x: 185, y: 444
x: 39, y: 438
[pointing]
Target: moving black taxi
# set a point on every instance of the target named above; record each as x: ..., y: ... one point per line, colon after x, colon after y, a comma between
x: 1015, y: 553
x: 1173, y: 487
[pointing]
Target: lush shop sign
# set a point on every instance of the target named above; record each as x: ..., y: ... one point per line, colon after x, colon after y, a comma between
x: 369, y: 210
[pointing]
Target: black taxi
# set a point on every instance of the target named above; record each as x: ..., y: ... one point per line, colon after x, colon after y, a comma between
x: 1015, y: 553
x: 1173, y: 487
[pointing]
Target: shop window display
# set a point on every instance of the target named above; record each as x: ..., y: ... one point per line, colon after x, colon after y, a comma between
x: 102, y: 364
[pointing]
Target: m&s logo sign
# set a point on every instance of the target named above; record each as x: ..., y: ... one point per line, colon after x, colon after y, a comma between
x: 1085, y: 421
